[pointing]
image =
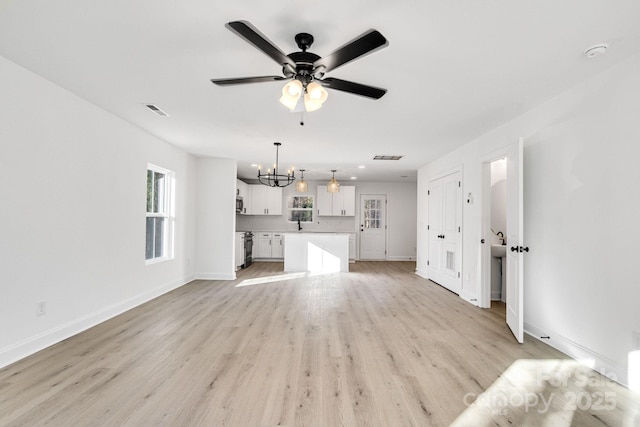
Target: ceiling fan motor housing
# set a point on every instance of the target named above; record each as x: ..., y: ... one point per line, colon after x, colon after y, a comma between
x: 304, y: 65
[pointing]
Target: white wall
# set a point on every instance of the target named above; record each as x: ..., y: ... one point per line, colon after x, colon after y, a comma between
x: 581, y: 213
x: 401, y: 216
x: 216, y: 218
x: 72, y: 195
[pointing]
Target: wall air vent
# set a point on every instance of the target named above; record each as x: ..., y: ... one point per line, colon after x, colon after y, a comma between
x: 156, y: 110
x: 387, y: 157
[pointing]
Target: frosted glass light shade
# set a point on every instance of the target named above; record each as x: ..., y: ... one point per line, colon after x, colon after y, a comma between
x: 291, y: 93
x: 314, y: 97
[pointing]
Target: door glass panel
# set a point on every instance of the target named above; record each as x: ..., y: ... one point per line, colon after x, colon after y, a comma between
x: 372, y: 213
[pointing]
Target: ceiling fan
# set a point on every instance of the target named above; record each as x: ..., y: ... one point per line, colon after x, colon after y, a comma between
x: 306, y: 70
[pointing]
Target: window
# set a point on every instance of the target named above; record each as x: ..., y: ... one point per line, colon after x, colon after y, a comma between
x: 159, y: 220
x: 300, y: 208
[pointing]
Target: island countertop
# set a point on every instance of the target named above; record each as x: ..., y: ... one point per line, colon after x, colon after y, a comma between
x: 325, y: 252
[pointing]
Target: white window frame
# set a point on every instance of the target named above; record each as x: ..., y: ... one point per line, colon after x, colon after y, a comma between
x: 165, y: 210
x: 310, y: 209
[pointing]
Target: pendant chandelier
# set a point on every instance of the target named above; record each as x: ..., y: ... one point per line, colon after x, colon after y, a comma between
x: 333, y: 186
x: 301, y: 185
x: 275, y: 179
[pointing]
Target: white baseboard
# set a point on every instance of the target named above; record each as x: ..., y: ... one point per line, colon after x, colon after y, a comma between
x: 215, y: 276
x: 594, y: 360
x: 401, y: 258
x: 33, y: 344
x: 422, y: 274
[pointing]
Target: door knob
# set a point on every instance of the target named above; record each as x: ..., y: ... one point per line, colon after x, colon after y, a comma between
x: 514, y: 249
x: 525, y: 249
x: 481, y: 240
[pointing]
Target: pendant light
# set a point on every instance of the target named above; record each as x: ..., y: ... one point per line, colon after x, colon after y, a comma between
x: 274, y: 179
x: 301, y: 185
x: 333, y: 186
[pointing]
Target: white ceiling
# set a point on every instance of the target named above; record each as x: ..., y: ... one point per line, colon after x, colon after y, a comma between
x: 453, y: 69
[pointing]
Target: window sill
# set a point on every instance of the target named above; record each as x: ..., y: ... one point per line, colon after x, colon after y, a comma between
x: 157, y: 260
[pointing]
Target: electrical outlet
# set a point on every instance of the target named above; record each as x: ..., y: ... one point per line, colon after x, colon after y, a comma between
x: 636, y: 340
x: 42, y: 308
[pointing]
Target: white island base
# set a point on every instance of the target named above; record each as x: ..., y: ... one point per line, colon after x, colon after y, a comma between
x: 316, y: 252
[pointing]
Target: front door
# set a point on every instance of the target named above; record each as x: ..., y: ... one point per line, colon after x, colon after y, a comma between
x: 373, y: 226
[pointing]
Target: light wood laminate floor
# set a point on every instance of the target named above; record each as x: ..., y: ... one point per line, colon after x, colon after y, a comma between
x: 378, y: 346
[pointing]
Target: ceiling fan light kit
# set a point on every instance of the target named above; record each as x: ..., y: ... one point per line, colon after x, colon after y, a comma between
x: 306, y: 70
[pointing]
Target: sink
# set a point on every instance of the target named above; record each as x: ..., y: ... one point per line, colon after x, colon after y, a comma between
x: 498, y: 251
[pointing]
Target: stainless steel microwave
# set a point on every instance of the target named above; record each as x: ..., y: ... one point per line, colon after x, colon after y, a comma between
x: 239, y: 204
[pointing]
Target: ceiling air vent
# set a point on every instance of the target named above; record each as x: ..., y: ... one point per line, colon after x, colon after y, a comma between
x: 156, y: 110
x: 387, y: 157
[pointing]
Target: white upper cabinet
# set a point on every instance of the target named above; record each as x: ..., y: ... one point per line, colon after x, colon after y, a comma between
x: 266, y: 200
x: 342, y: 203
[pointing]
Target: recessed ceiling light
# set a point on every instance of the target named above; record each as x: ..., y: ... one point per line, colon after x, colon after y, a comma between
x: 596, y: 50
x: 361, y: 167
x: 254, y: 165
x: 353, y: 177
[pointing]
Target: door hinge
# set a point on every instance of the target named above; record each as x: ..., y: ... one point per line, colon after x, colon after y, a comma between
x: 458, y: 229
x: 427, y: 227
x: 459, y: 184
x: 427, y: 262
x: 458, y: 274
x: 428, y: 192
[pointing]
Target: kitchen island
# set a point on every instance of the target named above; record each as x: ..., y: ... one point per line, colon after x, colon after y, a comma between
x: 316, y: 252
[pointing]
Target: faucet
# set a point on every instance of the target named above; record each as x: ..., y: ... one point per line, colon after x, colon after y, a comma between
x: 299, y: 226
x: 501, y: 237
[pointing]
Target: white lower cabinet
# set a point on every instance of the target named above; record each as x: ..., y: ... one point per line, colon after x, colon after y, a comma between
x: 270, y: 245
x: 277, y: 248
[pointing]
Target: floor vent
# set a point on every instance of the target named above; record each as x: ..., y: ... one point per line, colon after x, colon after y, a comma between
x: 387, y: 157
x: 156, y: 110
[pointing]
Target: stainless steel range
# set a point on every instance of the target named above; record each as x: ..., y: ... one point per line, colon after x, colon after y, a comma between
x: 248, y: 248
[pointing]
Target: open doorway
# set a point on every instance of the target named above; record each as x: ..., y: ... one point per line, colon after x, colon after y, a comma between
x: 498, y: 233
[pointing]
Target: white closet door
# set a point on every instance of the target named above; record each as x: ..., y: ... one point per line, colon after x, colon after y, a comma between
x: 445, y: 243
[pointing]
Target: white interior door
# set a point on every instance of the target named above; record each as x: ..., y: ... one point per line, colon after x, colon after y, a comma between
x: 515, y: 245
x: 434, y: 203
x: 445, y: 217
x: 373, y: 226
x: 451, y: 232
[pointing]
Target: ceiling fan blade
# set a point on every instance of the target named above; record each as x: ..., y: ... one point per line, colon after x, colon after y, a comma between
x: 351, y: 87
x: 251, y: 34
x: 243, y: 80
x: 362, y: 45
